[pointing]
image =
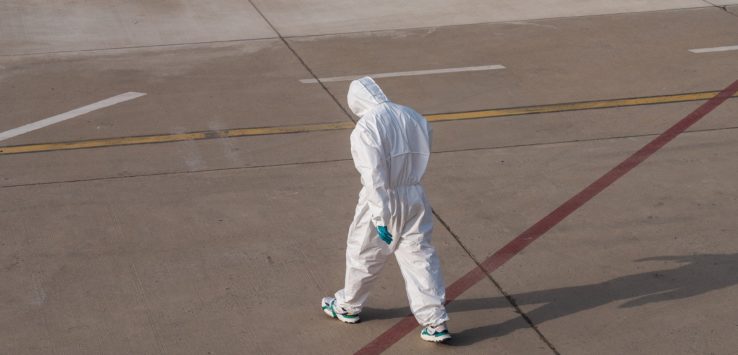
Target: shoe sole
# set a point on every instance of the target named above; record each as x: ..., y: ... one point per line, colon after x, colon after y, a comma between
x: 348, y: 320
x: 434, y: 339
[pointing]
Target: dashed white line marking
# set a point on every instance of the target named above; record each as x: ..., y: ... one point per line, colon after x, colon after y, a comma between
x: 714, y: 49
x: 404, y: 73
x: 70, y: 114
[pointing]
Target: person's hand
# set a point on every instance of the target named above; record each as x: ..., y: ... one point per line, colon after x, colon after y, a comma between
x: 384, y: 234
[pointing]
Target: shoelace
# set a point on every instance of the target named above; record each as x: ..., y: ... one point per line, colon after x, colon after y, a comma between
x: 437, y: 329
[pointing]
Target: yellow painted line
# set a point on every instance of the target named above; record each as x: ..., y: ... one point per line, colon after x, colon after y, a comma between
x: 322, y: 127
x: 178, y: 137
x: 573, y: 106
x: 241, y: 132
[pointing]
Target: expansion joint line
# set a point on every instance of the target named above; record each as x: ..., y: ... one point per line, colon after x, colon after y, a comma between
x: 507, y: 296
x: 294, y: 52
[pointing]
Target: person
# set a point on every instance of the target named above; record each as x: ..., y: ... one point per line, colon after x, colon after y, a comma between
x: 390, y: 146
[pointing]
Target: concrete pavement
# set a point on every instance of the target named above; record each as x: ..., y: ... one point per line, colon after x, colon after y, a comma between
x: 319, y: 17
x: 226, y: 245
x: 68, y: 26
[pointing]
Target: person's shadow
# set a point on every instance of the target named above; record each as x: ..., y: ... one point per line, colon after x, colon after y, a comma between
x: 696, y: 275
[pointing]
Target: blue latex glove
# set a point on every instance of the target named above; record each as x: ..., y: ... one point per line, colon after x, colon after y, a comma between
x: 384, y: 234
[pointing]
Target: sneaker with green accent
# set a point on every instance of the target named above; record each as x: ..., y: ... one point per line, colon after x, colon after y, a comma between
x: 437, y: 334
x: 328, y: 304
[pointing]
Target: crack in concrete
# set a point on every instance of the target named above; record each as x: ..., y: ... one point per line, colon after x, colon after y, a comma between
x: 721, y: 7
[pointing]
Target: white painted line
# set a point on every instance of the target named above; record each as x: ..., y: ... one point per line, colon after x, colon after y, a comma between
x: 404, y: 73
x: 714, y: 49
x: 71, y: 114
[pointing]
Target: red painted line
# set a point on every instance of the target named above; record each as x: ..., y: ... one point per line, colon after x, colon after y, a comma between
x: 407, y: 324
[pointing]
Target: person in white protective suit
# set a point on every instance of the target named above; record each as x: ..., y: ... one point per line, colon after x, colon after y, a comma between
x: 391, y: 147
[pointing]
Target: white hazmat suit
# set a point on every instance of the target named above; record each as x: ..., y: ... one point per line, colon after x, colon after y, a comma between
x: 391, y: 147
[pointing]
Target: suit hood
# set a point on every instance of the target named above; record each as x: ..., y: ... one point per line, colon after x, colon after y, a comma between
x: 363, y: 95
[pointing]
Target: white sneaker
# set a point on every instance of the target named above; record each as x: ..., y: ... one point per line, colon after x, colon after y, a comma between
x: 332, y: 310
x: 437, y: 334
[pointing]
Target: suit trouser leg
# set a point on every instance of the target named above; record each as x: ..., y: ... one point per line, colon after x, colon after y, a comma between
x: 421, y: 270
x: 366, y: 255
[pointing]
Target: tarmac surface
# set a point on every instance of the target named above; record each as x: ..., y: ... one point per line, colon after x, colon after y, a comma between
x: 208, y: 214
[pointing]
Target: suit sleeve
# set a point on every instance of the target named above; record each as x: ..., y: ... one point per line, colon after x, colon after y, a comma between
x: 370, y: 161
